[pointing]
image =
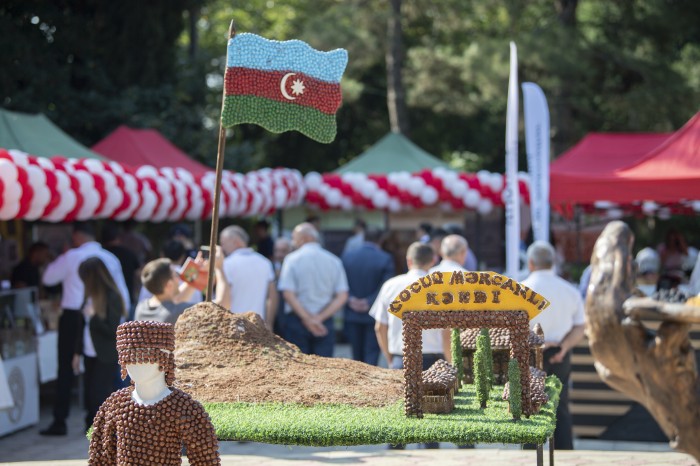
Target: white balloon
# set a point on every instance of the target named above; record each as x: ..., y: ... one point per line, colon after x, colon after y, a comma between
x: 313, y: 180
x: 146, y: 171
x: 496, y: 182
x: 416, y: 185
x: 380, y: 199
x: 19, y: 158
x: 394, y: 205
x: 334, y: 197
x: 471, y: 198
x: 147, y: 209
x: 166, y: 199
x: 42, y: 195
x: 483, y: 176
x: 115, y: 196
x: 484, y: 206
x: 604, y: 204
x: 429, y: 195
x: 649, y: 207
x: 457, y: 188
x: 281, y: 196
x: 91, y: 201
x: 67, y: 199
x: 11, y: 192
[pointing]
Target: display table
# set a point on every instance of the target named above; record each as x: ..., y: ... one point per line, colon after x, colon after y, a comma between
x: 336, y: 425
x: 5, y: 394
x: 19, y: 323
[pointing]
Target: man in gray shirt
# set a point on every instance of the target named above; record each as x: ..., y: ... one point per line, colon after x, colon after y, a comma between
x: 315, y: 287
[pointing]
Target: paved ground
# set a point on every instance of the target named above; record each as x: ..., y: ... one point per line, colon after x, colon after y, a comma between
x: 27, y: 447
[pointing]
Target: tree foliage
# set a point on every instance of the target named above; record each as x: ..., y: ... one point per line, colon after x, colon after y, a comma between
x: 604, y: 66
x: 456, y: 347
x: 481, y: 375
x: 515, y: 391
x: 488, y: 356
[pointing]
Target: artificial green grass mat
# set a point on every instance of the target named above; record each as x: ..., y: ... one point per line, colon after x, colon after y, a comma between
x: 334, y: 425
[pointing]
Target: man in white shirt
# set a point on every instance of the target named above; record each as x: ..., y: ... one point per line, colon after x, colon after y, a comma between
x: 315, y: 287
x: 436, y: 342
x: 453, y: 250
x: 250, y: 277
x: 388, y: 328
x: 563, y: 326
x: 64, y: 271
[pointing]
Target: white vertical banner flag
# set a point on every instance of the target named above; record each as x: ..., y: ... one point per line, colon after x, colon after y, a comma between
x: 537, y: 145
x: 511, y: 195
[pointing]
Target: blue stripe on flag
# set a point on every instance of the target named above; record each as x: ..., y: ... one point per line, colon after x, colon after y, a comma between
x: 252, y: 51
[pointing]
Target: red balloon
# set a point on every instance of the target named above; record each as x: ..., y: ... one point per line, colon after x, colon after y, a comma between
x: 75, y: 187
x: 25, y: 200
x: 54, y: 195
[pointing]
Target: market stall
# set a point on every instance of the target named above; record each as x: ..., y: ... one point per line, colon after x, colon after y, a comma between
x: 630, y: 172
x: 138, y: 147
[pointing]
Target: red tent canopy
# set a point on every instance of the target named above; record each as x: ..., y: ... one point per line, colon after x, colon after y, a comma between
x: 137, y: 147
x: 669, y: 173
x: 575, y: 176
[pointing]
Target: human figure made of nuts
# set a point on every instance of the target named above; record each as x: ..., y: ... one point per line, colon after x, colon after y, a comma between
x: 149, y: 422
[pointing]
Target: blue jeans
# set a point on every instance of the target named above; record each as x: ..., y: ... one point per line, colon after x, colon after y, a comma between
x: 296, y: 333
x: 363, y: 341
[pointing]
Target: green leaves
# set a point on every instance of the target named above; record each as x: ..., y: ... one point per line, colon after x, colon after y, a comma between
x: 515, y: 391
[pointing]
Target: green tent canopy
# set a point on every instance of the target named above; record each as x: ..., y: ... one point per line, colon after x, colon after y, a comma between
x: 394, y: 152
x: 37, y: 135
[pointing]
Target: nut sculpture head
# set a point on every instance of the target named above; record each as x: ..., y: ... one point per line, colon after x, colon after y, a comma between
x: 144, y: 342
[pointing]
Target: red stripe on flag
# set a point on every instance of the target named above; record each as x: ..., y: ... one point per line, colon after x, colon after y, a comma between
x: 283, y: 86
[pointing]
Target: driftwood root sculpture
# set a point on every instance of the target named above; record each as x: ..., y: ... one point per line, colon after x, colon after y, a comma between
x: 657, y: 369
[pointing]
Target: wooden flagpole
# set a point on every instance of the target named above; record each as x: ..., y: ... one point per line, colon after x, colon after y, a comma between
x: 217, y: 188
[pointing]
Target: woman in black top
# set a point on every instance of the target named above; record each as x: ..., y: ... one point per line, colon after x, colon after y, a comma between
x: 103, y: 309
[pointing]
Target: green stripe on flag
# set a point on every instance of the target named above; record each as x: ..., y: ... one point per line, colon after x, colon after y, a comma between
x: 278, y: 117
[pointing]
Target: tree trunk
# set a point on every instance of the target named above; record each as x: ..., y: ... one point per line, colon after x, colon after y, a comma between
x: 562, y: 112
x: 657, y: 369
x: 396, y: 95
x: 194, y: 15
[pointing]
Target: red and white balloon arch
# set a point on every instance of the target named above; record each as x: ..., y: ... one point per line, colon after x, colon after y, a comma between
x: 450, y: 190
x: 59, y: 189
x: 62, y: 190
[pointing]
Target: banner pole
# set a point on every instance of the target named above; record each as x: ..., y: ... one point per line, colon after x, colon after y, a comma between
x: 217, y: 190
x: 512, y: 197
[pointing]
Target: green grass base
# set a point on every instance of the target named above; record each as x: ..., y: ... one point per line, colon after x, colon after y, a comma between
x: 336, y: 425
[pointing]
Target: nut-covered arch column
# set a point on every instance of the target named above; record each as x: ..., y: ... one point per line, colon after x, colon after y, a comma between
x: 413, y: 363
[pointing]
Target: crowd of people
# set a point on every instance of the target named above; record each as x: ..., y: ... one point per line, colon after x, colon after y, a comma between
x: 297, y: 287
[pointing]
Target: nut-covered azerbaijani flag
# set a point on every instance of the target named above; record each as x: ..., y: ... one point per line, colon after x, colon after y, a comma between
x: 283, y: 86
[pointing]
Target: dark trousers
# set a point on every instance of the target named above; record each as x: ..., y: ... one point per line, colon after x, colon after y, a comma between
x: 280, y: 318
x: 70, y: 327
x: 363, y: 341
x: 428, y: 360
x: 98, y: 383
x: 563, y: 434
x: 296, y: 333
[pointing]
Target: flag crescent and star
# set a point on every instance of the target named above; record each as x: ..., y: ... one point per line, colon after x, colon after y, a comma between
x: 297, y: 86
